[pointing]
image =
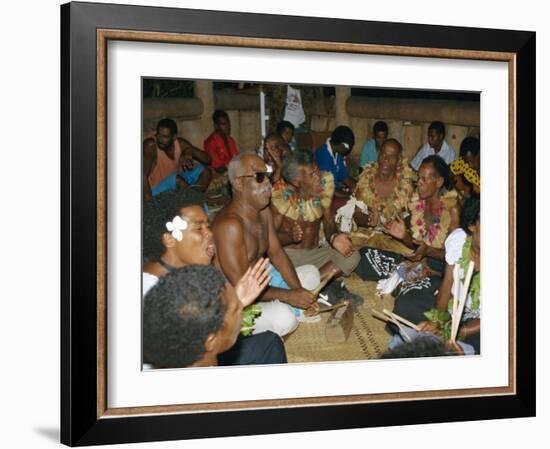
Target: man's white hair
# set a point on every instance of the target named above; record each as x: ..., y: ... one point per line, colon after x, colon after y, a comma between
x: 233, y: 167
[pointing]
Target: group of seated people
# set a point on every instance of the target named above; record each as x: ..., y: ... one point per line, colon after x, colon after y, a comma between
x: 278, y: 237
x: 171, y: 162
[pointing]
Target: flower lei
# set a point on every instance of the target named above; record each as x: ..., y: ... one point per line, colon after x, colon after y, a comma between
x: 393, y: 205
x: 287, y: 202
x: 434, y: 233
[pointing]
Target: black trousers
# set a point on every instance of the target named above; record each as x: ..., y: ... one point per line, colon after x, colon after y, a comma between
x: 259, y: 349
x: 411, y: 303
x: 412, y: 298
x: 378, y: 264
x: 416, y: 298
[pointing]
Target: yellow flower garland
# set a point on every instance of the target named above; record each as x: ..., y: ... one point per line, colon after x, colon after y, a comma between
x: 290, y: 205
x: 397, y: 202
x: 461, y: 167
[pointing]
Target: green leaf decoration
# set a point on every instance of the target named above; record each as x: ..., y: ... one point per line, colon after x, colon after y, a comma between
x: 437, y: 316
x: 443, y: 318
x: 250, y: 313
x: 475, y: 283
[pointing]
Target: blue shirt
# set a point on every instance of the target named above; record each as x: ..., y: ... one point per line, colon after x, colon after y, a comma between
x: 326, y: 162
x: 368, y: 153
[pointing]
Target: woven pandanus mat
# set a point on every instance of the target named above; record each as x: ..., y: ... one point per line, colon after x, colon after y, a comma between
x: 367, y: 340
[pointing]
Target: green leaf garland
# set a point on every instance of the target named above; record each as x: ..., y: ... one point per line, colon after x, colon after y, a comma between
x: 475, y: 284
x: 250, y: 313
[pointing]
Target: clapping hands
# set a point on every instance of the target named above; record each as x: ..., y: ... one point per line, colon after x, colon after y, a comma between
x: 396, y: 228
x: 343, y: 244
x: 297, y: 233
x: 419, y: 253
x: 254, y: 280
x: 186, y: 159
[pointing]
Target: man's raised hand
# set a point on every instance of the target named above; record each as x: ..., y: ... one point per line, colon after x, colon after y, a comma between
x: 254, y: 280
x: 186, y: 159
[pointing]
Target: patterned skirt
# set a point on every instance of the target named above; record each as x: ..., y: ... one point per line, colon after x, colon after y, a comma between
x: 413, y: 298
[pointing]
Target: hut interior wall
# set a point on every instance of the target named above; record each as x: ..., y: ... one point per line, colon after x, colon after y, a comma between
x: 411, y: 134
x: 245, y: 125
x: 189, y: 115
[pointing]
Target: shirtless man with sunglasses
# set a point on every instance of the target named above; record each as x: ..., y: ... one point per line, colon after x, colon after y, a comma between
x: 244, y: 231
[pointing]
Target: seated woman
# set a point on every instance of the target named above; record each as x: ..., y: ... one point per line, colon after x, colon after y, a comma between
x: 385, y: 187
x: 461, y: 247
x: 177, y: 234
x: 434, y: 213
x: 466, y: 169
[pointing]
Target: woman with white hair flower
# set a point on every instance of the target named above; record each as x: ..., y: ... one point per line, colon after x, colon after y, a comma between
x: 176, y: 233
x: 181, y: 236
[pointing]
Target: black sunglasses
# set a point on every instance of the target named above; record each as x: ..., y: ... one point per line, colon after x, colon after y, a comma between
x: 259, y: 176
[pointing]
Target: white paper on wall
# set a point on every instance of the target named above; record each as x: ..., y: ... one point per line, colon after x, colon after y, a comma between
x: 294, y: 112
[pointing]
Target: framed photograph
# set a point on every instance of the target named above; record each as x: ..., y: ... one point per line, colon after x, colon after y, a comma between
x: 110, y: 54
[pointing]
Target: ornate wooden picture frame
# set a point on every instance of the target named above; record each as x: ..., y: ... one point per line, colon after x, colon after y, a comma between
x: 87, y: 29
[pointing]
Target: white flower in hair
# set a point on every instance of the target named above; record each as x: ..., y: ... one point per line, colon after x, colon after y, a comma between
x: 177, y: 225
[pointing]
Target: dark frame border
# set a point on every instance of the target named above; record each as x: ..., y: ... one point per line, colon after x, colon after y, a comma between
x: 81, y: 423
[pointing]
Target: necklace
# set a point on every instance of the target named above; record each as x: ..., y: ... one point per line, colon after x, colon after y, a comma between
x: 420, y: 225
x: 167, y: 266
x: 396, y: 203
x: 435, y: 232
x: 287, y: 202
